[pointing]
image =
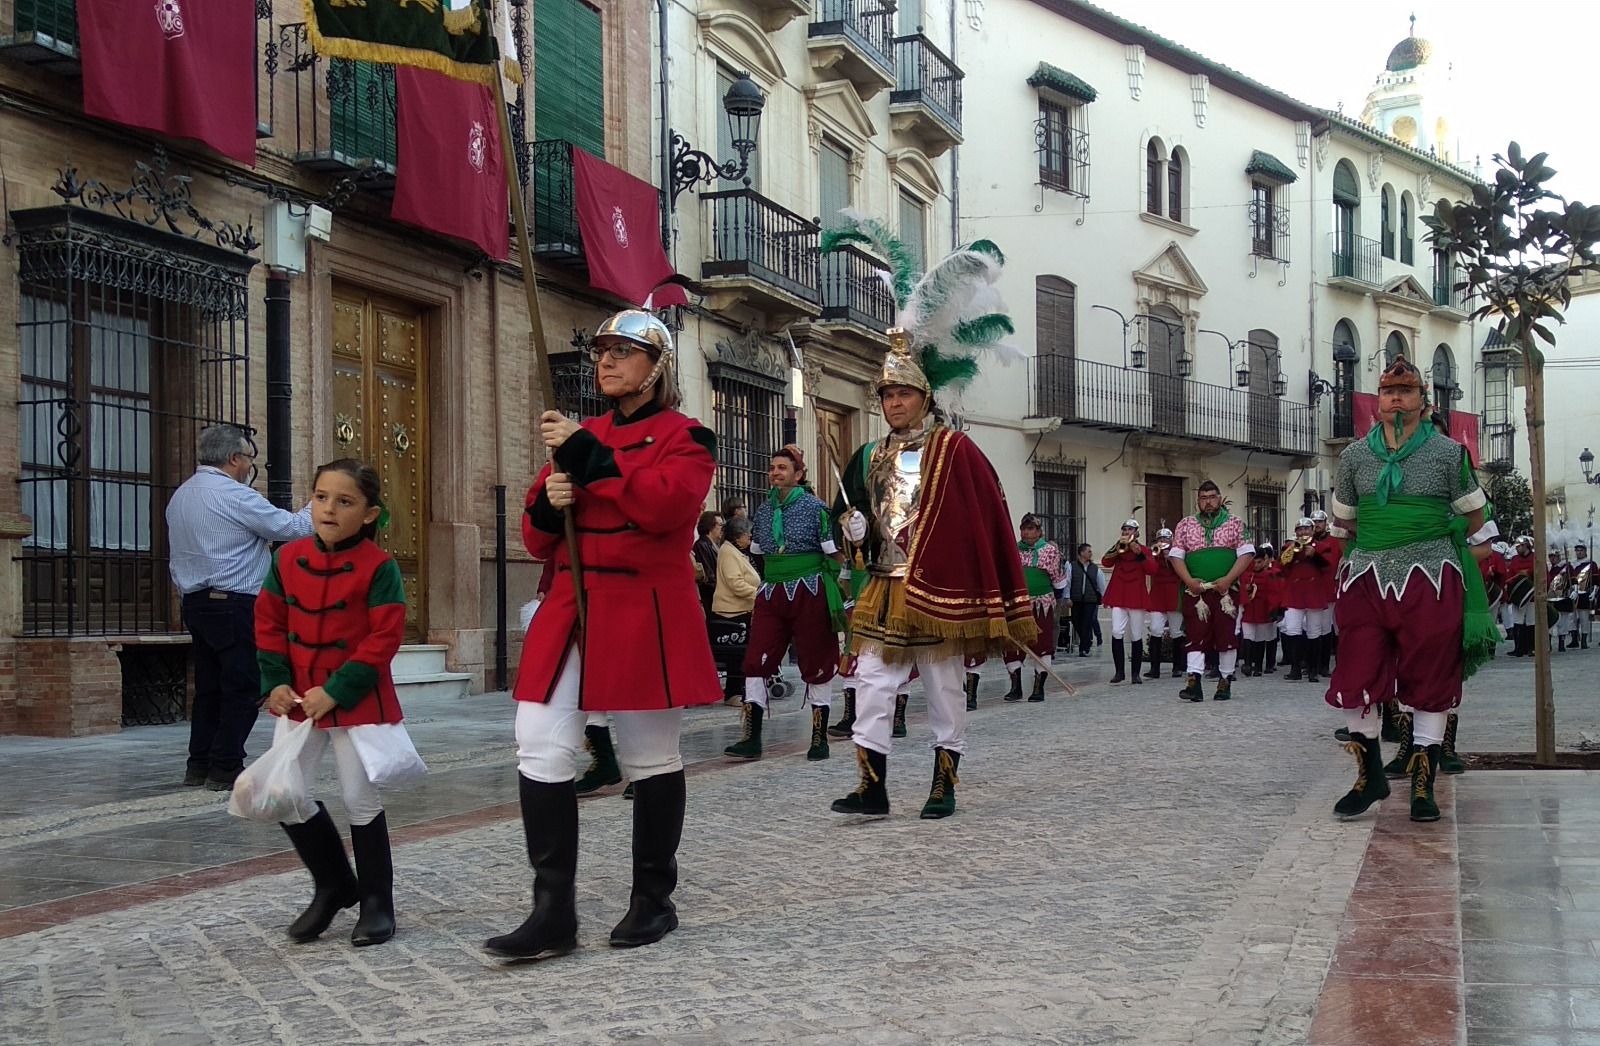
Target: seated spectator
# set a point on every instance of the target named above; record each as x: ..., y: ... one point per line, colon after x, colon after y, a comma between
x: 732, y: 604
x: 709, y: 530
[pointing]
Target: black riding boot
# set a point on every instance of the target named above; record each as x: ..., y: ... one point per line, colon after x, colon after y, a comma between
x: 550, y: 827
x: 1178, y: 647
x: 1293, y: 647
x: 1271, y: 646
x: 1137, y: 663
x: 1118, y: 658
x: 319, y: 846
x: 847, y: 722
x: 1038, y: 687
x: 1311, y: 652
x: 375, y: 872
x: 1015, y: 693
x: 1156, y: 652
x: 657, y: 828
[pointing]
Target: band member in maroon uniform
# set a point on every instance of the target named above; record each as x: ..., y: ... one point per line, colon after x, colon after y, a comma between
x: 1127, y: 594
x: 1261, y: 593
x: 1519, y: 566
x: 1331, y: 549
x: 1166, y: 609
x: 1305, y: 590
x: 636, y: 478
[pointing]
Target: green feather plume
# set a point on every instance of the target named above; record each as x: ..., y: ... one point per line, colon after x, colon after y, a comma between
x: 990, y: 248
x: 833, y: 239
x: 873, y: 233
x: 947, y: 372
x: 984, y: 329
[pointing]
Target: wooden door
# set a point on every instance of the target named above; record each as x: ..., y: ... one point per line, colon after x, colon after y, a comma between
x: 1163, y: 504
x: 834, y: 447
x: 379, y: 416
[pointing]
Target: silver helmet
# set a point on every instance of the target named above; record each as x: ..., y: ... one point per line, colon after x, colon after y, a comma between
x: 643, y: 329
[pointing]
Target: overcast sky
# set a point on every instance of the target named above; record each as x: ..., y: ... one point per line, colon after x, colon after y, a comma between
x: 1326, y: 53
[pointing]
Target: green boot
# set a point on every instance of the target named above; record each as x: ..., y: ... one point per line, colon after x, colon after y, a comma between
x: 1399, y: 766
x: 819, y: 733
x: 1224, y: 689
x: 1370, y: 785
x: 1424, y: 764
x: 1449, y: 761
x: 748, y: 746
x: 871, y: 796
x: 1038, y: 687
x: 1391, y: 725
x: 846, y: 724
x: 972, y: 691
x: 603, y: 770
x: 1191, y: 688
x: 899, y: 715
x: 942, y: 797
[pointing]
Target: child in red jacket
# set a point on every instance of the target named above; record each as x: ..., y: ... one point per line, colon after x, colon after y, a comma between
x: 329, y: 619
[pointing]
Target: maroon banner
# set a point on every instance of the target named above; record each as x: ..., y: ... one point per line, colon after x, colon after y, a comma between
x: 620, y: 219
x: 1463, y: 426
x: 184, y: 68
x: 451, y: 175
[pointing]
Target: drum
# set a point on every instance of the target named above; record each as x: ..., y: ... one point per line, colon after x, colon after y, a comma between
x: 1519, y: 592
x: 1493, y: 589
x: 1551, y: 615
x: 1585, y: 585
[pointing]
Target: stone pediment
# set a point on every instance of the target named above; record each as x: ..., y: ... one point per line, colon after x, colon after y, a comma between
x: 1406, y: 292
x: 1171, y: 268
x: 838, y: 104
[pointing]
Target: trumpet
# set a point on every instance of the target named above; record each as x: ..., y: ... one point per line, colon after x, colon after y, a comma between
x: 1122, y: 544
x: 1287, y: 555
x: 1160, y: 548
x: 1302, y: 541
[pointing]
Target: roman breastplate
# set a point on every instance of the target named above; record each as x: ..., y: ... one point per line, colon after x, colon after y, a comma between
x: 896, y: 490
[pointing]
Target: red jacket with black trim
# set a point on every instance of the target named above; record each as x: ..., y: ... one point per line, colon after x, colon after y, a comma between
x: 1130, y: 573
x: 1308, y: 575
x: 641, y: 481
x: 333, y: 618
x: 1261, y: 592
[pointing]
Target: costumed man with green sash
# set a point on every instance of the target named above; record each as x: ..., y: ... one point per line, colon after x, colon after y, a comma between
x: 1044, y: 572
x: 1209, y: 552
x: 799, y: 602
x: 1413, y: 618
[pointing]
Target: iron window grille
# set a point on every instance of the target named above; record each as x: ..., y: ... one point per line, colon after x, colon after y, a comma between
x: 1063, y: 147
x: 748, y: 408
x: 1269, y: 223
x: 1058, y: 502
x: 575, y: 391
x: 1264, y: 514
x: 131, y: 341
x: 1344, y: 399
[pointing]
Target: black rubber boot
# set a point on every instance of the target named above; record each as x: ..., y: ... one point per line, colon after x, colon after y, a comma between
x: 1449, y: 761
x: 972, y: 691
x: 1191, y: 688
x: 1422, y: 768
x: 1371, y: 784
x: 1244, y: 667
x: 1561, y: 643
x: 871, y: 796
x: 1178, y: 647
x: 1136, y: 664
x: 819, y: 733
x: 658, y: 804
x: 942, y: 796
x: 1118, y: 659
x: 1271, y: 646
x: 318, y: 843
x: 1293, y: 649
x: 375, y: 873
x: 1156, y: 652
x: 899, y: 728
x: 1038, y: 687
x: 1396, y: 767
x: 1312, y: 653
x: 550, y: 826
x: 1015, y: 693
x: 748, y: 746
x: 603, y: 770
x: 847, y: 722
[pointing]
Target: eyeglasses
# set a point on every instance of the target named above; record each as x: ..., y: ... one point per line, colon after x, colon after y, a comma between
x: 617, y: 350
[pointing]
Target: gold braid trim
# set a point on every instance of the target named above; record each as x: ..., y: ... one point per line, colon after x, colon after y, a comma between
x: 884, y: 621
x: 394, y: 54
x: 868, y: 774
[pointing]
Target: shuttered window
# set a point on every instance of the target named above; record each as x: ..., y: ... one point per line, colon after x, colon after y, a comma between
x: 569, y: 86
x: 913, y: 228
x: 1055, y: 305
x: 833, y: 176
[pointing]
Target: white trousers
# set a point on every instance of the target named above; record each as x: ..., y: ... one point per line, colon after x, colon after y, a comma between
x: 1586, y: 623
x: 1227, y: 661
x: 818, y: 695
x: 360, y: 795
x: 1122, y: 618
x: 877, y: 683
x: 1508, y: 617
x: 1161, y: 620
x: 1263, y: 633
x: 1525, y: 614
x: 1309, y: 623
x: 550, y: 735
x: 1427, y: 728
x: 1566, y: 623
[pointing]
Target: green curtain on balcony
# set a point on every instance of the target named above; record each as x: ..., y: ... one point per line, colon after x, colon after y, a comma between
x: 568, y: 75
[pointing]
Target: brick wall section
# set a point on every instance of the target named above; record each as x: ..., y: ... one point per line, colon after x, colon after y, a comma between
x: 66, y: 687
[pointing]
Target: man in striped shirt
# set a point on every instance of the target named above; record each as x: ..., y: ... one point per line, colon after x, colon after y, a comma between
x: 218, y: 530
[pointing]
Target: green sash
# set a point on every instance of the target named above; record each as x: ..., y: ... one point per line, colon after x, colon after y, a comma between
x: 780, y: 570
x: 1210, y: 564
x: 1038, y: 580
x: 1403, y: 519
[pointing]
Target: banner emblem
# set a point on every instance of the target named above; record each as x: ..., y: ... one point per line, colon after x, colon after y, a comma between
x: 169, y: 16
x: 477, y: 147
x: 619, y: 226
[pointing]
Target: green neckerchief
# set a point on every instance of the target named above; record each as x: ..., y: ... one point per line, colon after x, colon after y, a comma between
x: 782, y: 569
x: 1405, y: 519
x: 1023, y: 546
x: 778, y: 504
x: 1221, y: 518
x: 1389, y: 478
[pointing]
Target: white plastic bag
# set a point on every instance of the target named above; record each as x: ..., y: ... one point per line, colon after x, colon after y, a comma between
x: 387, y: 754
x: 530, y: 608
x: 272, y: 788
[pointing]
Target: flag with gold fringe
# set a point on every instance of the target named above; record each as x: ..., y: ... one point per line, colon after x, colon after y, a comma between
x: 455, y: 37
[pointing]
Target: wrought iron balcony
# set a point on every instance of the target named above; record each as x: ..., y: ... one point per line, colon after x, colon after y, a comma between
x: 1356, y: 259
x: 856, y: 38
x: 927, y: 97
x: 551, y: 201
x: 1445, y: 296
x: 1499, y: 444
x: 852, y: 291
x: 344, y: 111
x: 43, y: 33
x: 770, y: 252
x: 1098, y: 395
x: 1269, y: 230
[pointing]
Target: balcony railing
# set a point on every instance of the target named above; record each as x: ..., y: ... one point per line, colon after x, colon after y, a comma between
x: 1106, y: 396
x: 924, y: 76
x: 1445, y: 296
x: 1499, y: 444
x: 1357, y: 258
x: 551, y: 200
x: 1344, y: 413
x: 43, y: 32
x: 866, y: 24
x: 344, y: 111
x: 1269, y: 230
x: 853, y: 292
x: 752, y: 236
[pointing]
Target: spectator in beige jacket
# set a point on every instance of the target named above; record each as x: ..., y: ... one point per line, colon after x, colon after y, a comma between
x: 732, y: 604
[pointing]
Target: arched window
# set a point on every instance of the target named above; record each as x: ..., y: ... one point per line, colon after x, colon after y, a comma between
x: 1395, y: 346
x: 1346, y: 352
x: 1406, y: 256
x: 1055, y: 312
x: 1175, y: 175
x: 1152, y: 176
x: 1444, y: 376
x: 1386, y: 221
x: 1346, y: 218
x: 1262, y: 347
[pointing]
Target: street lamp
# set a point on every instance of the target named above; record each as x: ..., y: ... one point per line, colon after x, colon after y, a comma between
x: 743, y: 104
x: 1137, y: 357
x: 1586, y: 461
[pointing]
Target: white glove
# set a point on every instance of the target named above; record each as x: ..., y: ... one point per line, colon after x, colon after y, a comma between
x: 855, y: 527
x: 1227, y: 605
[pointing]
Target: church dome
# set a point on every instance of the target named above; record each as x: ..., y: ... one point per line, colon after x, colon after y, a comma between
x: 1410, y: 52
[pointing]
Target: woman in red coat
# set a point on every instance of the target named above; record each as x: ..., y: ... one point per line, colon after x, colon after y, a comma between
x: 636, y: 479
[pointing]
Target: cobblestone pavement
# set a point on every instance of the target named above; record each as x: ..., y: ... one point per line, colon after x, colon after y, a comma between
x: 1124, y: 867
